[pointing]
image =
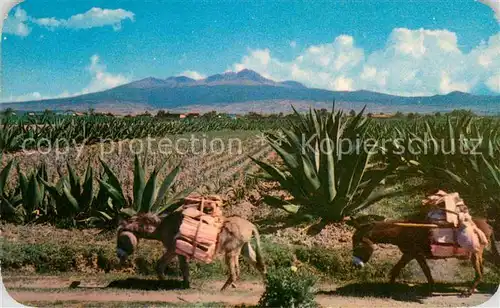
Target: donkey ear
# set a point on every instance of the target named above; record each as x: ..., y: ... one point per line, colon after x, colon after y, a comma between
x: 364, y: 220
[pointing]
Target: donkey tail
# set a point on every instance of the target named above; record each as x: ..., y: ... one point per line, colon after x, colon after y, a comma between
x: 258, y: 250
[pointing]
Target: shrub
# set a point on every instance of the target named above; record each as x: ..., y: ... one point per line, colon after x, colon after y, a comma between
x: 277, y: 255
x: 288, y: 287
x: 326, y: 261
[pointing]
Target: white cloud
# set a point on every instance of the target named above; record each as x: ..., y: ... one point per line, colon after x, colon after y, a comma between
x: 101, y: 80
x: 193, y: 74
x: 95, y: 17
x: 34, y: 96
x: 342, y: 84
x: 494, y: 5
x: 412, y: 62
x: 49, y: 22
x: 20, y: 23
x: 494, y: 83
x: 447, y: 85
x: 17, y: 24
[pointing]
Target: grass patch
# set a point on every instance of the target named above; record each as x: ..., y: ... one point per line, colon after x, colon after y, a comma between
x: 336, y: 265
x: 75, y: 256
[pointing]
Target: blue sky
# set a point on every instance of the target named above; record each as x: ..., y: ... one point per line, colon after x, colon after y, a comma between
x: 62, y: 48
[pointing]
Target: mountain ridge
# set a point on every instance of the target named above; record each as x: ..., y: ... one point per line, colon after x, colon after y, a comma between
x: 244, y: 86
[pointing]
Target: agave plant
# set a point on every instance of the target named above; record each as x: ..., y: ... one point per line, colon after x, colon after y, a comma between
x: 10, y: 201
x: 71, y: 196
x: 458, y: 145
x: 148, y: 196
x: 325, y: 178
x: 33, y: 193
x: 10, y: 137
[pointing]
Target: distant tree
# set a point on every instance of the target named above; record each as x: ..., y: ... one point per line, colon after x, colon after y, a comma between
x: 399, y: 114
x: 48, y: 112
x: 412, y: 115
x: 254, y: 115
x: 352, y: 113
x: 370, y: 115
x: 223, y: 115
x: 437, y: 114
x: 210, y: 115
x: 161, y: 114
x: 91, y: 111
x: 461, y: 113
x: 8, y: 112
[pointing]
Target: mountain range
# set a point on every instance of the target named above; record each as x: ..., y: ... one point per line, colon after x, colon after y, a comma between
x: 246, y: 91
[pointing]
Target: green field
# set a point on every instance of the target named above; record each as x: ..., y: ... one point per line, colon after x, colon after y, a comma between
x: 61, y: 205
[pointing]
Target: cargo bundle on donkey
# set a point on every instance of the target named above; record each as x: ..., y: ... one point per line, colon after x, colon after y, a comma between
x: 456, y: 234
x: 200, y: 228
x: 197, y: 231
x: 447, y: 232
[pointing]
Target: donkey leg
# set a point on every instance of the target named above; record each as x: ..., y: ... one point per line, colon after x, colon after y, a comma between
x: 427, y: 271
x: 232, y: 271
x: 480, y: 256
x: 236, y: 261
x: 162, y: 264
x: 236, y: 257
x: 184, y: 265
x: 405, y: 258
x: 476, y: 262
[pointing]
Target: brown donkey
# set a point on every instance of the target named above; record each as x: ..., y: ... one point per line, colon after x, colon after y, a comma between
x: 234, y: 237
x: 414, y: 244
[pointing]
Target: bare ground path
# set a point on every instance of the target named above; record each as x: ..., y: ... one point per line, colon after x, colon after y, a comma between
x: 95, y: 291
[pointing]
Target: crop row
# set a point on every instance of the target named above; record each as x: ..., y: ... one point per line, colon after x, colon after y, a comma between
x: 16, y: 135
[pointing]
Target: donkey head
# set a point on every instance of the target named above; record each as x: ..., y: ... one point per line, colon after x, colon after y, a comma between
x: 126, y: 244
x: 362, y: 245
x: 142, y: 225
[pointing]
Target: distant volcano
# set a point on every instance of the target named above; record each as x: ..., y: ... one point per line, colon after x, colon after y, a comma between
x: 248, y: 88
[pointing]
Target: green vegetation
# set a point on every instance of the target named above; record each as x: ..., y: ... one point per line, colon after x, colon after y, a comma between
x: 147, y: 196
x: 36, y: 131
x: 325, y: 167
x: 289, y: 287
x: 326, y: 181
x: 73, y: 200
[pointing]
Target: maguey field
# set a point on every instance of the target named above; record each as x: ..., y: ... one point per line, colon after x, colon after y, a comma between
x: 289, y: 154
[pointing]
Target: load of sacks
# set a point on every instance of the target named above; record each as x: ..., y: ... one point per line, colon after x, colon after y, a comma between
x: 457, y: 235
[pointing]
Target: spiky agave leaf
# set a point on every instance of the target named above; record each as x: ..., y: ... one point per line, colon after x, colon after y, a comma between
x: 325, y: 179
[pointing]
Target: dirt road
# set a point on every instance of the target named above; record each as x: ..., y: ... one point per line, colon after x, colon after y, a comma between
x: 99, y: 291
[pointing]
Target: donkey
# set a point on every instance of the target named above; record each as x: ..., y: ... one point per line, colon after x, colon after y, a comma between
x: 234, y: 237
x: 414, y: 244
